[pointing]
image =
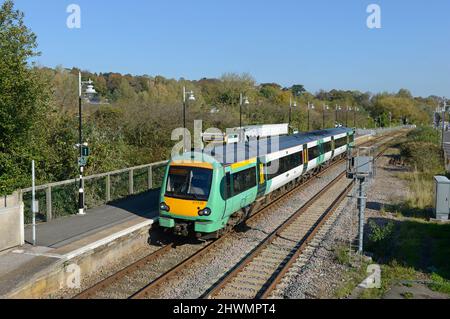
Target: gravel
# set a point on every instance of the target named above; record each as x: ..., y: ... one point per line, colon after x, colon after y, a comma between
x: 318, y: 274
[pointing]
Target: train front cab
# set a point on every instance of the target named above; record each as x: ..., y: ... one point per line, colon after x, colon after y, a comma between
x: 189, y: 201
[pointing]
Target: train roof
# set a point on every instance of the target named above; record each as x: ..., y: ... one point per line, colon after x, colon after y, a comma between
x: 234, y: 153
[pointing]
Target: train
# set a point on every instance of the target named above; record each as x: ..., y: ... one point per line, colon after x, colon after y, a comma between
x: 206, y: 193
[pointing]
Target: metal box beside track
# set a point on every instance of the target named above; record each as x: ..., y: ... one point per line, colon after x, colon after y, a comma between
x: 441, y: 198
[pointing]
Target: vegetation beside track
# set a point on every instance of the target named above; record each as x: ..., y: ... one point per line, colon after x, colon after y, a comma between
x: 402, y: 239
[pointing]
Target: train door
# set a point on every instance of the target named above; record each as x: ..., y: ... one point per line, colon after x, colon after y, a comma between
x: 322, y: 152
x: 228, y: 193
x: 262, y: 182
x: 305, y: 158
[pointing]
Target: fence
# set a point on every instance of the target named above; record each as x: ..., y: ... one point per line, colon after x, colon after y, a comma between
x: 61, y: 198
x: 378, y: 131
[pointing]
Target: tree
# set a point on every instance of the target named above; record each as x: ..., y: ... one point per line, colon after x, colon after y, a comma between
x: 23, y: 96
x: 298, y: 89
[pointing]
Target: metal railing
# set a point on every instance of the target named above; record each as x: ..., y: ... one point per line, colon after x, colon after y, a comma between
x: 60, y: 198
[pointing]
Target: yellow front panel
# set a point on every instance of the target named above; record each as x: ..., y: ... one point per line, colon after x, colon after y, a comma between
x: 183, y: 207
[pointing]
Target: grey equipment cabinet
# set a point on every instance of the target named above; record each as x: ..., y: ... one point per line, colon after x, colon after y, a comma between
x: 442, y: 198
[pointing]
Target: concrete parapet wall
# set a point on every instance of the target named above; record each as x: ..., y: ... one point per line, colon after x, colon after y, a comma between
x: 60, y: 274
x: 11, y: 222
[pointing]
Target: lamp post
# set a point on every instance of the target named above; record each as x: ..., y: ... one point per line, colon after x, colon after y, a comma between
x: 444, y: 108
x: 190, y: 98
x: 291, y: 104
x: 310, y: 107
x: 325, y: 108
x: 356, y: 109
x: 338, y: 108
x: 83, y: 151
x: 243, y: 100
x: 349, y: 109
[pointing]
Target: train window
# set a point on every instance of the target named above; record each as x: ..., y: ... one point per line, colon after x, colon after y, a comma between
x: 283, y: 165
x: 341, y: 142
x: 272, y: 169
x: 327, y: 147
x: 352, y: 138
x: 314, y: 153
x: 243, y: 181
x: 226, y: 188
x: 189, y: 183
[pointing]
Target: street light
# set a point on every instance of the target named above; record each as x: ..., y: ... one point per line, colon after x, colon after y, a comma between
x: 349, y: 109
x: 325, y: 108
x: 310, y: 107
x: 356, y: 109
x: 187, y: 95
x: 243, y: 100
x: 291, y: 105
x: 338, y: 108
x: 444, y: 109
x: 82, y: 146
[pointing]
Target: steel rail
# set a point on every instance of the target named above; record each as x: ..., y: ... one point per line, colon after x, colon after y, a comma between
x: 277, y: 233
x: 92, y: 291
x: 279, y: 277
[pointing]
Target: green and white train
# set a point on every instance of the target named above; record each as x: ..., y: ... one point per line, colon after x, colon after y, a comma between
x: 207, y: 193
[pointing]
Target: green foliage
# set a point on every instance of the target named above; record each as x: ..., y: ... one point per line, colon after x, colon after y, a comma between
x: 342, y: 255
x: 425, y: 134
x: 380, y: 238
x: 439, y: 284
x: 23, y: 99
x: 422, y: 151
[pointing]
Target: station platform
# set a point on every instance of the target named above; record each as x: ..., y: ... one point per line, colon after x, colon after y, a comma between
x: 104, y: 232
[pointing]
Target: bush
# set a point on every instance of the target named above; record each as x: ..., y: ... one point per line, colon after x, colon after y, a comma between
x: 425, y: 134
x: 380, y: 239
x: 424, y: 156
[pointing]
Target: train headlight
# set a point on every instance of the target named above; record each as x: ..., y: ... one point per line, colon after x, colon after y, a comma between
x: 204, y: 212
x: 164, y: 207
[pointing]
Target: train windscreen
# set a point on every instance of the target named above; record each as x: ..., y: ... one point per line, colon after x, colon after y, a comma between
x: 190, y: 183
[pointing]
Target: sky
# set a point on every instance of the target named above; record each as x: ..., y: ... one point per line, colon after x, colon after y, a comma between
x: 322, y: 44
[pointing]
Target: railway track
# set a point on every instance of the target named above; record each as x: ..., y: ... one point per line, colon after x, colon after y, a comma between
x: 249, y: 280
x: 143, y: 278
x: 258, y: 275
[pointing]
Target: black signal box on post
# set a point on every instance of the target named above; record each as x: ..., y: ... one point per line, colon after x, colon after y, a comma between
x: 85, y: 151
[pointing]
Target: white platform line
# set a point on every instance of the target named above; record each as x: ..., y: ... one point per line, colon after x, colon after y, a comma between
x: 108, y: 239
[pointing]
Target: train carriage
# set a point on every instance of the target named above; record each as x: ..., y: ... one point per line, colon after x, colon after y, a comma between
x: 206, y: 193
